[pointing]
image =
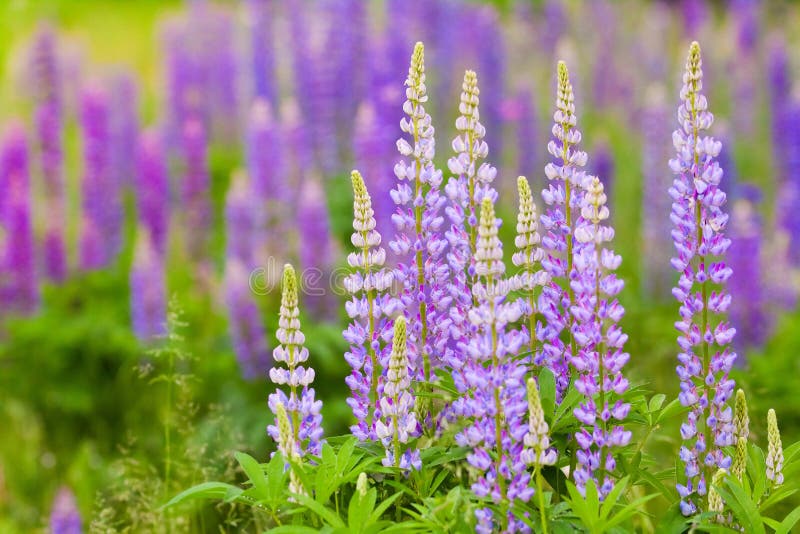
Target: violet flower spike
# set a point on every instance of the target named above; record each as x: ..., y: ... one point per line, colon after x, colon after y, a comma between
x: 600, y: 341
x: 496, y: 400
x: 65, y: 518
x: 370, y: 308
x: 303, y: 410
x: 705, y: 359
x: 152, y: 189
x: 397, y: 423
x: 419, y: 242
x: 148, y: 289
x: 563, y: 198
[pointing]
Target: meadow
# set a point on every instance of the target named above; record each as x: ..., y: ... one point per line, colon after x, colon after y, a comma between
x: 399, y: 266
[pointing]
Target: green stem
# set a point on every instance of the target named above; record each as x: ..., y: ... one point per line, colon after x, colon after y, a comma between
x: 540, y: 492
x: 423, y: 311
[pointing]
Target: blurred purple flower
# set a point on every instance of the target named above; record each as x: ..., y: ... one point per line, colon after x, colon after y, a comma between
x: 148, y: 289
x: 65, y: 518
x: 152, y: 188
x: 195, y: 193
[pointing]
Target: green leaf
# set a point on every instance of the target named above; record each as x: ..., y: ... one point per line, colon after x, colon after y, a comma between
x: 656, y: 402
x: 788, y: 522
x: 293, y: 529
x: 206, y: 490
x: 612, y: 497
x: 324, y: 513
x: 382, y: 507
x: 674, y: 408
x: 547, y: 392
x: 742, y: 506
x: 256, y: 475
x: 360, y: 509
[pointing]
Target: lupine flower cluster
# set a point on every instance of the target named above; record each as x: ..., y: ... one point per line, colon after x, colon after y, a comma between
x: 65, y: 517
x: 705, y: 359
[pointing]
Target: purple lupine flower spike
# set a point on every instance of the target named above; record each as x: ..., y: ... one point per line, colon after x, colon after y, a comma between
x: 241, y: 223
x: 65, y: 518
x: 19, y: 287
x: 563, y: 199
x: 496, y: 402
x: 48, y: 122
x: 527, y: 134
x: 705, y: 359
x: 419, y: 243
x: 196, y: 189
x: 657, y: 276
x: 779, y: 86
x: 397, y: 423
x: 152, y: 189
x: 317, y: 251
x: 491, y: 61
x: 371, y: 309
x: 124, y: 129
x: 374, y: 152
x: 600, y: 341
x: 262, y: 57
x: 148, y: 289
x: 101, y: 235
x: 303, y: 410
x: 748, y: 309
x: 245, y: 324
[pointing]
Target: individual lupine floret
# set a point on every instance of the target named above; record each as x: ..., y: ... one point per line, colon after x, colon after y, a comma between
x: 419, y: 242
x: 303, y: 410
x: 370, y: 308
x: 563, y: 197
x: 705, y: 359
x: 148, y: 289
x: 528, y: 257
x: 65, y: 518
x: 398, y: 424
x: 774, y: 450
x: 496, y: 401
x: 600, y: 341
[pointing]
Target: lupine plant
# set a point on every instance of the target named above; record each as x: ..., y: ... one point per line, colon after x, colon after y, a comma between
x: 535, y: 422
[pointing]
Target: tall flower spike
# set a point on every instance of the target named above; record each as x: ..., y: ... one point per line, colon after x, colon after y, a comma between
x: 715, y: 502
x: 370, y: 308
x: 774, y: 451
x: 495, y: 377
x: 601, y: 355
x: 245, y: 325
x: 563, y: 197
x: 151, y: 186
x: 419, y: 242
x: 705, y: 359
x: 741, y: 421
x: 303, y: 410
x: 196, y: 188
x: 739, y: 466
x: 317, y: 249
x: 537, y: 440
x: 397, y: 424
x: 528, y: 258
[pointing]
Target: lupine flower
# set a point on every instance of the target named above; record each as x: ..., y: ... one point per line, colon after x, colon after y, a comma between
x: 471, y: 183
x: 245, y: 324
x: 262, y: 59
x: 745, y: 16
x: 787, y: 210
x: 148, y: 289
x: 537, y: 441
x: 101, y: 236
x: 774, y: 450
x: 602, y: 166
x: 419, y: 242
x: 654, y: 126
x: 705, y: 359
x: 739, y: 465
x: 18, y: 269
x: 600, y: 356
x: 695, y: 13
x: 748, y: 313
x: 397, y: 423
x: 124, y: 128
x: 152, y: 189
x: 241, y: 222
x: 370, y: 308
x: 65, y: 518
x: 317, y: 252
x: 528, y: 257
x: 303, y: 410
x: 741, y: 418
x: 563, y: 197
x: 196, y: 188
x: 496, y: 404
x: 48, y: 122
x: 491, y: 54
x: 779, y: 86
